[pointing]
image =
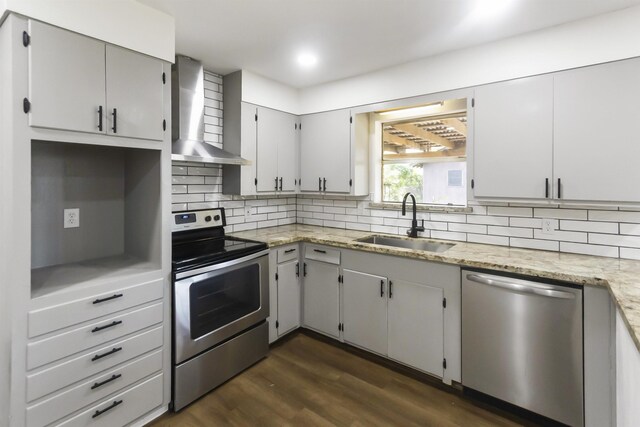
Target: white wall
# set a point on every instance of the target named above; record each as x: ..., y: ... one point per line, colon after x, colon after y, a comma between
x: 268, y: 93
x: 628, y: 377
x: 125, y: 23
x: 594, y: 40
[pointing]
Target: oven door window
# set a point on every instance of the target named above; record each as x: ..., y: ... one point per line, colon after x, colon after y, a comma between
x: 222, y: 299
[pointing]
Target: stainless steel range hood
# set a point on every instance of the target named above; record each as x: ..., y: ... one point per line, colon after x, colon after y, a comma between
x: 187, y: 111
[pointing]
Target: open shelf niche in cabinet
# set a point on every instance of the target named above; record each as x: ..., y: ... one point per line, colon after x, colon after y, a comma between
x: 117, y: 192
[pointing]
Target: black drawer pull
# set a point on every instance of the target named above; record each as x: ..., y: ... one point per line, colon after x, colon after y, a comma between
x: 319, y: 184
x: 280, y: 183
x: 110, y: 325
x: 100, y: 118
x: 546, y: 188
x: 324, y: 184
x: 108, y: 353
x: 115, y: 120
x: 108, y: 408
x: 107, y: 381
x: 390, y: 289
x: 114, y: 296
x: 381, y: 288
x: 559, y: 188
x: 320, y: 251
x: 288, y: 251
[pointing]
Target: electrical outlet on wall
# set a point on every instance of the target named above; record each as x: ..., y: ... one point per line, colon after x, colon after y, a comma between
x: 248, y: 212
x: 548, y: 226
x: 72, y: 218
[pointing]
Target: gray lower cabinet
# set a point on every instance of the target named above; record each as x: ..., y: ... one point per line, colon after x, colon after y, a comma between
x: 321, y: 297
x: 288, y: 297
x: 81, y: 84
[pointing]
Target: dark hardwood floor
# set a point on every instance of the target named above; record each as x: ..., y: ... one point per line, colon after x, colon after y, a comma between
x: 307, y: 382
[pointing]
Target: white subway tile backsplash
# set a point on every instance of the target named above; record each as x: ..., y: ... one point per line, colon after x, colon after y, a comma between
x: 565, y: 236
x: 597, y: 250
x: 560, y: 213
x: 510, y: 231
x: 448, y: 217
x: 592, y: 226
x: 616, y: 216
x: 509, y: 211
x: 633, y: 229
x: 488, y: 220
x: 468, y: 228
x: 526, y: 222
x: 546, y: 245
x: 614, y: 240
x: 449, y: 235
x: 488, y: 239
x: 384, y: 229
x: 629, y: 253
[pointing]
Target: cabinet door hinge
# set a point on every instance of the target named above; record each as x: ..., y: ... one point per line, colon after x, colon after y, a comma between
x: 340, y: 278
x: 473, y: 183
x: 26, y: 105
x: 26, y: 39
x: 341, y: 326
x: 256, y: 117
x: 444, y: 302
x: 255, y: 181
x: 444, y: 363
x: 351, y: 182
x: 295, y: 126
x: 277, y: 277
x: 277, y: 324
x: 164, y: 78
x: 473, y: 102
x: 351, y: 119
x: 164, y: 125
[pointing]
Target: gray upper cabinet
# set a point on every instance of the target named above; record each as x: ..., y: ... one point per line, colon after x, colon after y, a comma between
x: 596, y: 130
x: 513, y: 138
x: 134, y: 94
x: 66, y: 80
x: 80, y: 84
x: 276, y: 151
x: 325, y: 158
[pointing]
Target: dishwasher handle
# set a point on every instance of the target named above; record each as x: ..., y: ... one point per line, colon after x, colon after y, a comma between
x: 524, y: 289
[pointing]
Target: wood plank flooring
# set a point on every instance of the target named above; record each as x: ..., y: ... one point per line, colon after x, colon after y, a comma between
x: 307, y: 382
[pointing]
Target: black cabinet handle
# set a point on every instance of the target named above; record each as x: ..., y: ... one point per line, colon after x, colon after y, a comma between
x: 288, y: 251
x: 297, y: 270
x: 319, y: 184
x: 108, y: 408
x: 280, y: 183
x: 276, y: 183
x: 115, y: 120
x: 546, y: 188
x: 320, y: 251
x: 324, y: 184
x: 108, y: 353
x: 107, y: 381
x: 110, y: 325
x: 114, y: 296
x: 559, y: 189
x: 390, y: 289
x: 381, y: 288
x: 99, y: 300
x: 304, y: 269
x: 100, y: 118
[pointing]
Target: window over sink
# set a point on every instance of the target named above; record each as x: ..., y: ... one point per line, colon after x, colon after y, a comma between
x: 424, y: 151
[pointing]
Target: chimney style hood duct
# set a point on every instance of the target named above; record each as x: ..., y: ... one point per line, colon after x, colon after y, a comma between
x: 187, y: 113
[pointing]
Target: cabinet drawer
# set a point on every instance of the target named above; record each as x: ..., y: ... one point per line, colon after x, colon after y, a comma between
x: 321, y: 253
x: 93, y: 389
x: 85, y: 365
x: 59, y: 346
x: 63, y: 315
x: 287, y: 253
x: 122, y: 408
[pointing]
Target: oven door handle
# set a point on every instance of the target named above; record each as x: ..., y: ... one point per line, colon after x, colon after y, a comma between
x: 222, y: 265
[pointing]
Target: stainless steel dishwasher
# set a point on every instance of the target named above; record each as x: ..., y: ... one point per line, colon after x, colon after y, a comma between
x: 522, y: 343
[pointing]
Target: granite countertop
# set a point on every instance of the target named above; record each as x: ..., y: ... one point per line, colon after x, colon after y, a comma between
x: 621, y: 277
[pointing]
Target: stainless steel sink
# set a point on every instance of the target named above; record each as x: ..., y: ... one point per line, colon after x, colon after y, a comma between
x: 415, y: 244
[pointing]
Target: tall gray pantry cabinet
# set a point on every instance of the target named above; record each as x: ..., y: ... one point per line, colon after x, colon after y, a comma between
x: 83, y: 310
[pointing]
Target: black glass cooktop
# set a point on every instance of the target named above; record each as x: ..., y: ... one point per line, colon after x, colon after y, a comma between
x: 199, y: 253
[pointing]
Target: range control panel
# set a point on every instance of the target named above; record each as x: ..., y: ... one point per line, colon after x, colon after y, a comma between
x: 191, y: 220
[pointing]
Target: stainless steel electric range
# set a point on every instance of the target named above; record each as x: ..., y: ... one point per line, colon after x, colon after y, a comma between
x: 220, y: 304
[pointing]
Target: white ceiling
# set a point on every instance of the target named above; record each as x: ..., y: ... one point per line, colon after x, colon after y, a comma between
x: 352, y: 37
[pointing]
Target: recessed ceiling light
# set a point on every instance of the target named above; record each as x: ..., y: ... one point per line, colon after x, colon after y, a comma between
x: 307, y: 60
